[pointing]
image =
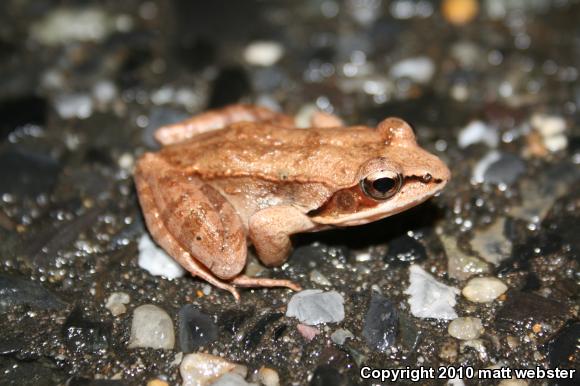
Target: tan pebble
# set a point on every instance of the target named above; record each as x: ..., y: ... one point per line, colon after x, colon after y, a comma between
x: 157, y: 382
x: 483, y: 289
x: 268, y: 376
x: 459, y: 12
x: 465, y: 328
x: 513, y: 382
x: 201, y: 369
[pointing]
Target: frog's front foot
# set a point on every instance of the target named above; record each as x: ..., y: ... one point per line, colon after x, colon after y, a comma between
x: 247, y: 281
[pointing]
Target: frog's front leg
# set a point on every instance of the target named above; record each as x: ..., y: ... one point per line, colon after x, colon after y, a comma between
x: 270, y: 230
x: 218, y: 119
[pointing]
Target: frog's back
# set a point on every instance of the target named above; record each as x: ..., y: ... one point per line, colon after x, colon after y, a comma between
x: 331, y: 156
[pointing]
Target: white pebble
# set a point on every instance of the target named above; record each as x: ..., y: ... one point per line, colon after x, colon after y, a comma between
x: 268, y: 376
x: 429, y: 298
x: 341, y: 335
x: 478, y: 132
x: 232, y: 379
x: 314, y: 306
x: 151, y: 327
x: 263, y: 53
x: 317, y: 277
x: 465, y: 328
x: 548, y: 125
x: 419, y: 69
x: 199, y: 369
x: 68, y: 25
x: 74, y: 106
x: 483, y: 289
x: 155, y: 261
x: 116, y: 303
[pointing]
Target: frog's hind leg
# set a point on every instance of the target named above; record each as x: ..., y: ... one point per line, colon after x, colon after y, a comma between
x: 218, y: 119
x: 192, y: 222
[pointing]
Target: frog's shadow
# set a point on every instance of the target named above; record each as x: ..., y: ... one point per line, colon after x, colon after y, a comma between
x: 422, y: 217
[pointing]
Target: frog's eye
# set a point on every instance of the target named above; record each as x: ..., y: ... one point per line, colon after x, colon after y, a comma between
x: 381, y: 186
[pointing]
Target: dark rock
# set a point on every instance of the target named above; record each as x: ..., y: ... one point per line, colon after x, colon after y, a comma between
x: 405, y: 249
x: 532, y: 282
x: 232, y: 320
x: 254, y: 335
x: 505, y: 170
x: 523, y: 308
x: 9, y: 345
x: 18, y: 112
x: 26, y: 173
x: 381, y: 322
x: 94, y: 382
x: 15, y: 291
x: 230, y: 86
x: 564, y: 351
x: 29, y: 373
x: 409, y: 334
x: 197, y: 53
x: 196, y: 329
x: 85, y: 335
x: 306, y: 257
x: 325, y: 375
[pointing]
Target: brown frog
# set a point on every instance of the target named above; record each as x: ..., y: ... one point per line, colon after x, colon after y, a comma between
x: 247, y: 174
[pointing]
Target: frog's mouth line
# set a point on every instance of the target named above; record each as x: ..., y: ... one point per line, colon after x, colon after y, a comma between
x: 413, y: 192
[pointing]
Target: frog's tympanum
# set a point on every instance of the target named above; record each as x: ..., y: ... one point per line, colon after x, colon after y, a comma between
x: 246, y: 174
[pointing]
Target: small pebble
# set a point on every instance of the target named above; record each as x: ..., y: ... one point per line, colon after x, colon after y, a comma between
x: 466, y: 328
x: 157, y: 382
x: 419, y: 69
x: 268, y: 376
x: 116, y: 303
x: 341, y: 335
x: 459, y: 12
x: 155, y: 261
x: 313, y: 307
x: 317, y: 277
x: 513, y: 382
x: 201, y: 369
x: 429, y: 298
x: 151, y: 327
x: 491, y: 243
x: 477, y: 132
x: 552, y: 130
x: 381, y: 321
x: 308, y: 332
x: 232, y: 379
x: 195, y: 328
x: 263, y: 53
x: 483, y: 289
x: 74, y: 106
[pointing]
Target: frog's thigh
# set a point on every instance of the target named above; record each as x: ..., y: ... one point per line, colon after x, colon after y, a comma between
x: 270, y: 231
x: 194, y: 216
x: 215, y: 120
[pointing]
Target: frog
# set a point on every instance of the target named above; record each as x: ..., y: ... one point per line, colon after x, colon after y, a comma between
x: 246, y: 175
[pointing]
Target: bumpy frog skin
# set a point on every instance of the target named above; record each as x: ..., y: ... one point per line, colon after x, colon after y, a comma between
x: 246, y: 174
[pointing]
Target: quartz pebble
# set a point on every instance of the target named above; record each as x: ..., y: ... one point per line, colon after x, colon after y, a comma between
x: 429, y: 298
x: 477, y: 132
x: 268, y: 376
x: 200, y: 369
x: 483, y: 289
x: 466, y: 328
x: 263, y: 53
x: 341, y: 335
x: 315, y: 306
x: 419, y: 69
x: 151, y: 327
x: 232, y: 379
x: 317, y: 277
x: 116, y: 303
x: 155, y: 261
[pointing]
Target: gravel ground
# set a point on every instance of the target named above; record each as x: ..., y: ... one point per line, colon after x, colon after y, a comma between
x: 483, y: 276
